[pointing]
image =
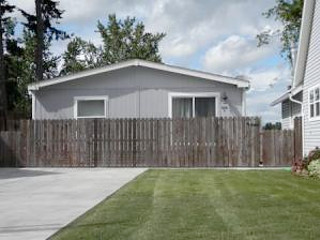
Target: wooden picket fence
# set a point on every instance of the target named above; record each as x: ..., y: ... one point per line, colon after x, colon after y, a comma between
x: 196, y: 142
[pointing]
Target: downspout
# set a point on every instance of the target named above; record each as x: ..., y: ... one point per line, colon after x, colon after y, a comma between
x: 302, y: 115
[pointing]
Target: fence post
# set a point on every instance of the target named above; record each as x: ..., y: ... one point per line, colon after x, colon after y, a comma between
x: 95, y: 143
x: 134, y: 142
x: 297, y: 135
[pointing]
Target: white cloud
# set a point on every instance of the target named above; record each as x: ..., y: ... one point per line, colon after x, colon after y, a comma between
x: 198, y: 24
x: 178, y: 48
x: 234, y: 53
x: 263, y: 93
x: 258, y: 104
x: 265, y: 79
x: 190, y: 25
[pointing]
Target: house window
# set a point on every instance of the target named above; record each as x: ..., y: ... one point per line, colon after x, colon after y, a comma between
x: 182, y: 107
x: 198, y: 105
x: 205, y: 106
x: 90, y: 107
x: 314, y: 103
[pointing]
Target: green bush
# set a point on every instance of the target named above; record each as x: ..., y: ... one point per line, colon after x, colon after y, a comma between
x: 314, y: 155
x: 314, y: 168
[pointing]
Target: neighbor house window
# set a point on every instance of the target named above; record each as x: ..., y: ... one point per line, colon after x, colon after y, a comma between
x: 314, y: 103
x: 90, y: 107
x: 197, y: 105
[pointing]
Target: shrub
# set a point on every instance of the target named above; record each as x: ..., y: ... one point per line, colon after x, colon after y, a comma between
x: 314, y: 155
x: 314, y: 168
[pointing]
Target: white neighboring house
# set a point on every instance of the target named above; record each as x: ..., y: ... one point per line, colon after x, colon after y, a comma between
x: 303, y: 98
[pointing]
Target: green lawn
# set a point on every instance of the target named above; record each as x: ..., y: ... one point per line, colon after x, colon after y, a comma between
x: 205, y: 204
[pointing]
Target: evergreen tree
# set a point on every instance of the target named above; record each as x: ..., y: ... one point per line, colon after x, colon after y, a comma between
x: 5, y: 8
x: 42, y: 25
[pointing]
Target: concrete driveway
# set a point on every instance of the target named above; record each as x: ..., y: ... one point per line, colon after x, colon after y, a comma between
x: 36, y: 202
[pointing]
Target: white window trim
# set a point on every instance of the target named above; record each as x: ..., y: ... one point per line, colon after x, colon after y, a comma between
x: 75, y: 105
x: 316, y: 118
x: 193, y: 95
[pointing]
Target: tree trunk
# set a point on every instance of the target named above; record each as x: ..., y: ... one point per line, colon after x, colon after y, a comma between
x: 3, y: 95
x: 40, y: 41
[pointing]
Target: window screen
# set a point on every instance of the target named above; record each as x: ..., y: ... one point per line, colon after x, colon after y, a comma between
x: 182, y: 107
x: 91, y: 108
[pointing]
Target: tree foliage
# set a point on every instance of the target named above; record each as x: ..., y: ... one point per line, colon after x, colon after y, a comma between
x: 80, y: 55
x: 272, y: 126
x: 127, y: 39
x: 42, y: 26
x: 5, y: 32
x: 289, y: 13
x: 122, y: 40
x: 21, y: 70
x: 51, y: 15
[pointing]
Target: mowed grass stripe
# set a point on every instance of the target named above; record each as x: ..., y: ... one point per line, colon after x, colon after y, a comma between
x: 205, y: 204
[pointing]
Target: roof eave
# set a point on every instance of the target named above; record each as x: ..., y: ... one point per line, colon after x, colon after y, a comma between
x: 286, y: 95
x: 280, y: 99
x: 58, y: 80
x: 305, y: 32
x: 240, y: 83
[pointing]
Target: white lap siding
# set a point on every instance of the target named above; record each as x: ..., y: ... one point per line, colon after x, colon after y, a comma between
x: 290, y: 111
x: 286, y: 115
x: 311, y: 79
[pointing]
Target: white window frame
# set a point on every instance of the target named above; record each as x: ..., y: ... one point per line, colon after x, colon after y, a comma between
x: 314, y: 118
x: 88, y: 98
x: 194, y: 95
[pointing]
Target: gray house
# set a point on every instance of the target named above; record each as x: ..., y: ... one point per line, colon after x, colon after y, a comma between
x: 138, y: 89
x: 303, y: 98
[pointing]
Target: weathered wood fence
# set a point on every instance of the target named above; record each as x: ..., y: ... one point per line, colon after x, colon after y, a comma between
x: 201, y: 142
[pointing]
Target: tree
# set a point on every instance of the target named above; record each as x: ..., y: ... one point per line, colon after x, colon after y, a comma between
x: 23, y: 61
x: 26, y: 74
x: 13, y: 63
x: 41, y: 25
x: 40, y: 40
x: 21, y: 70
x: 127, y: 39
x: 4, y: 25
x: 80, y: 55
x: 289, y: 13
x: 122, y: 40
x: 271, y: 126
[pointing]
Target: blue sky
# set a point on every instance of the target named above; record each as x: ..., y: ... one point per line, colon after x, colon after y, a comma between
x: 214, y: 36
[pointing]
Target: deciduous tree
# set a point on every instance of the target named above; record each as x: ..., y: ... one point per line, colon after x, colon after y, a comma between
x: 127, y: 39
x: 80, y: 55
x: 289, y: 13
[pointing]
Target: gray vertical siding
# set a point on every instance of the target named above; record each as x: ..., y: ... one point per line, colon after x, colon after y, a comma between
x: 312, y: 78
x: 132, y: 92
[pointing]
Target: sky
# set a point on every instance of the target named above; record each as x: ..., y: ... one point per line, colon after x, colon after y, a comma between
x: 208, y: 35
